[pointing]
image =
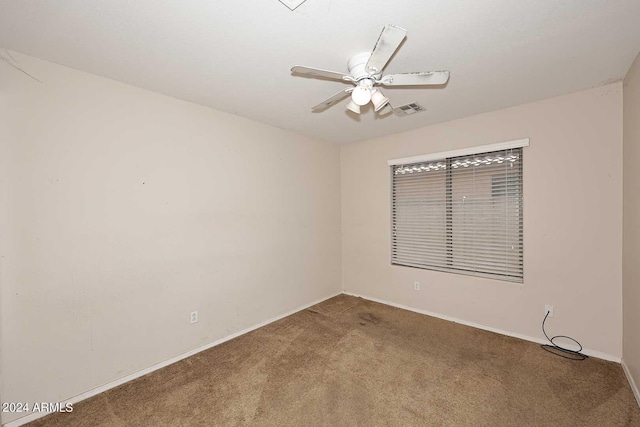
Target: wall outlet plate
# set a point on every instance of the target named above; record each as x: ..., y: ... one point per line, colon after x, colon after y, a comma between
x: 548, y: 308
x: 416, y: 286
x: 194, y: 316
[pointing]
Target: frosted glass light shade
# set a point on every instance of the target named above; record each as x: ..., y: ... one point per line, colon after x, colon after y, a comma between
x: 352, y: 106
x: 361, y: 95
x: 379, y: 100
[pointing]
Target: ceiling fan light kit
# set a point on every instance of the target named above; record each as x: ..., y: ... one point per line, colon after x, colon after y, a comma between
x: 353, y: 107
x: 365, y: 72
x: 361, y: 95
x: 379, y: 100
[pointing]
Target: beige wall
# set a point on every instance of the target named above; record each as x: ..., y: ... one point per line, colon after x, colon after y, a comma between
x: 5, y: 226
x: 572, y: 221
x: 631, y: 225
x: 130, y: 210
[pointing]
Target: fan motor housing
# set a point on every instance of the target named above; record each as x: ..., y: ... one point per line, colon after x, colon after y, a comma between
x: 357, y: 65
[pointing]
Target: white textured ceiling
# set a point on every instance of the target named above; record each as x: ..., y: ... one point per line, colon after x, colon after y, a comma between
x: 235, y: 56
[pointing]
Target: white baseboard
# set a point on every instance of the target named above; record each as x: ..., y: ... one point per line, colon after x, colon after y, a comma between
x: 75, y: 399
x: 593, y: 353
x: 632, y: 383
x: 138, y: 374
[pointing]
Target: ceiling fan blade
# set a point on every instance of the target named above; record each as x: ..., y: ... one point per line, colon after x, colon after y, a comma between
x: 415, y: 79
x: 387, y: 44
x: 317, y: 72
x: 333, y: 99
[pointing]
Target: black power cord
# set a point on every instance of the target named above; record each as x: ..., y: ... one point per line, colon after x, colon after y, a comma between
x: 554, y: 348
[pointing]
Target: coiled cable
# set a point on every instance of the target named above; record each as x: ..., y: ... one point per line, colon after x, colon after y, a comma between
x: 558, y: 350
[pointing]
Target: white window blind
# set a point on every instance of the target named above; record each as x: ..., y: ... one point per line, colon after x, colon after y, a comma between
x: 460, y: 214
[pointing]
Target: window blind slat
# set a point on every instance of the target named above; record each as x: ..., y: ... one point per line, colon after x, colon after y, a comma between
x: 462, y: 215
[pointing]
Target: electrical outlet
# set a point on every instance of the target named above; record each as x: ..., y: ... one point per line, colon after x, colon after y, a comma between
x: 416, y: 286
x: 194, y: 316
x: 548, y: 308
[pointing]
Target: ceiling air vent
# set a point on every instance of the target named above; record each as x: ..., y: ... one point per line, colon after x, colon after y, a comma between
x: 408, y: 109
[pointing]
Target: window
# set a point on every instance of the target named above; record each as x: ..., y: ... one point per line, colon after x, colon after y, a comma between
x: 460, y: 214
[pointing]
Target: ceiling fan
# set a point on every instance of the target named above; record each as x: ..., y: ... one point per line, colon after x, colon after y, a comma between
x: 365, y: 72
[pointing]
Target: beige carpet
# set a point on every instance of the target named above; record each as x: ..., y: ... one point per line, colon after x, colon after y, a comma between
x: 351, y: 362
